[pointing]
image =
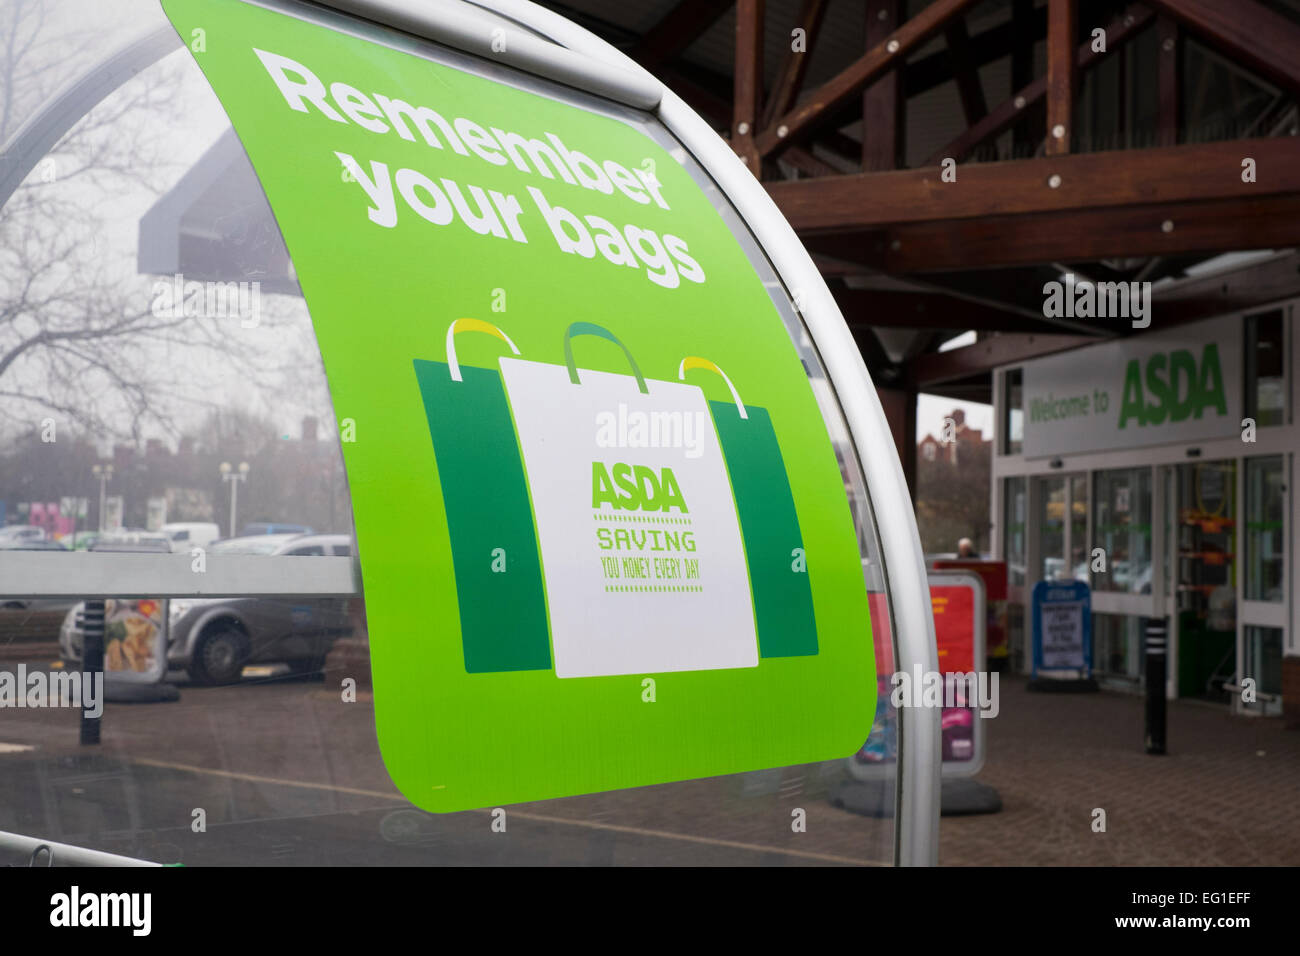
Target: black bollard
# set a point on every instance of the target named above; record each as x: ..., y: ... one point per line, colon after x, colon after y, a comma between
x: 1157, y: 639
x: 92, y: 662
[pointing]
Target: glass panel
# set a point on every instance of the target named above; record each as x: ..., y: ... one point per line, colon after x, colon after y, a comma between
x: 1015, y: 509
x: 1122, y: 528
x: 1265, y: 529
x: 1117, y: 647
x: 174, y: 384
x: 1079, y: 527
x: 1263, y: 658
x: 1266, y: 384
x: 1051, y: 528
x: 952, y: 487
x: 1014, y: 415
x: 1206, y: 577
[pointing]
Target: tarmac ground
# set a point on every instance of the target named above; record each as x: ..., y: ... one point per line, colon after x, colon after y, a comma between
x: 282, y: 772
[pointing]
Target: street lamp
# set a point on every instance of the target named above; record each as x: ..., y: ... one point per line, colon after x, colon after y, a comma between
x: 104, y: 473
x: 234, y: 476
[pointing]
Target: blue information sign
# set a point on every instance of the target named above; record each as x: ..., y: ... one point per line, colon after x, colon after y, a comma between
x: 1062, y: 621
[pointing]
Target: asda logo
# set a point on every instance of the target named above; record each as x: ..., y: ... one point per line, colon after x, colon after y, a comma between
x: 635, y: 488
x: 1173, y: 387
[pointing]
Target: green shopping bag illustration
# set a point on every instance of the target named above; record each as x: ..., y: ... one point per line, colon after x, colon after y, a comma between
x: 773, y: 543
x: 502, y: 615
x: 664, y: 522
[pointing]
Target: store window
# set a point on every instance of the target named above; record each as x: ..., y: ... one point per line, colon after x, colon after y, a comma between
x: 1015, y: 506
x: 1013, y: 415
x: 1206, y: 581
x: 1079, y: 527
x: 1122, y: 529
x: 1263, y: 659
x: 1265, y: 529
x: 1014, y: 509
x: 1266, y: 384
x: 1117, y: 647
x: 1050, y: 498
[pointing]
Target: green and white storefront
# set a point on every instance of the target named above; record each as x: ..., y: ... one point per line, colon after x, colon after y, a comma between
x: 1156, y: 467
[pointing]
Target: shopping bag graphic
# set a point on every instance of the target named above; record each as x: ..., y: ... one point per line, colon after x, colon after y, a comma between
x: 669, y: 548
x: 773, y: 544
x: 502, y: 615
x: 640, y: 540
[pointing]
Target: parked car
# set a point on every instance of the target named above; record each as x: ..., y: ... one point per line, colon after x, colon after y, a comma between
x: 22, y: 532
x: 190, y: 534
x: 213, y: 639
x: 272, y: 527
x: 131, y: 540
x: 31, y: 544
x: 252, y: 544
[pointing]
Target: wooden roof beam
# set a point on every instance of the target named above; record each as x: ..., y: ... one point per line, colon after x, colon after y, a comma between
x: 827, y: 99
x: 795, y: 65
x: 1160, y: 229
x: 679, y: 28
x: 1118, y: 32
x: 1062, y: 78
x: 1247, y: 32
x: 1191, y: 173
x: 747, y: 95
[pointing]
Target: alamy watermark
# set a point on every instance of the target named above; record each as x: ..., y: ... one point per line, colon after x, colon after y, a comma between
x: 179, y: 299
x: 654, y: 429
x: 76, y: 689
x: 977, y: 690
x: 1082, y: 299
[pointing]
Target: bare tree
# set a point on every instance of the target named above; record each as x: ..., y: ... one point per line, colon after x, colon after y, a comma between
x: 79, y: 339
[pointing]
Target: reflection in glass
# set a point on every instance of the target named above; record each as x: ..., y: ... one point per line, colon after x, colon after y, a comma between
x: 1122, y: 529
x: 1051, y: 528
x: 1266, y: 384
x: 1015, y: 510
x: 1117, y: 647
x: 1013, y: 425
x: 1265, y: 529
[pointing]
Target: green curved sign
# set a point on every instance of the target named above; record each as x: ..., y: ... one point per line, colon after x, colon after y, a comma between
x: 602, y: 529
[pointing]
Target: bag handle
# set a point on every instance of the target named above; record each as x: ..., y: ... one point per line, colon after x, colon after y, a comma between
x: 694, y: 361
x: 589, y: 328
x: 470, y: 325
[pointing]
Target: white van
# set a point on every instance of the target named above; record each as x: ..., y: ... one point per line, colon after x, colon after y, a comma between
x: 183, y: 534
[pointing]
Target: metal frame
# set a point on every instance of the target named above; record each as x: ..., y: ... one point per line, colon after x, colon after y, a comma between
x: 579, y: 59
x: 64, y: 854
x: 43, y: 129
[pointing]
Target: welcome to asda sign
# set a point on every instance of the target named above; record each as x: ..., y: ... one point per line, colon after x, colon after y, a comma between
x: 1184, y: 385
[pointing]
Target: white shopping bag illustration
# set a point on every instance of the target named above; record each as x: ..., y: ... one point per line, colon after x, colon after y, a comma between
x: 641, y: 548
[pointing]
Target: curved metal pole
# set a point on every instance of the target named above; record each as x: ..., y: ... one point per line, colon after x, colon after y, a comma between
x: 43, y: 129
x: 64, y: 854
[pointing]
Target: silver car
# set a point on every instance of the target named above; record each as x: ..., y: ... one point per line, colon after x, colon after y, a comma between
x: 213, y: 639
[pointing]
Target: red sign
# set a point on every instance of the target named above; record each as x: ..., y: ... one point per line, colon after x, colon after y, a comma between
x: 954, y: 628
